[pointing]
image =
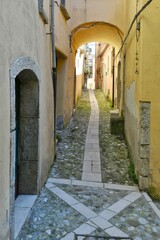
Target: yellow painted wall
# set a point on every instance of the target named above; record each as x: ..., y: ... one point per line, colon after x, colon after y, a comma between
x: 79, y: 62
x: 62, y: 31
x: 108, y: 79
x: 150, y: 23
x: 86, y: 11
x: 100, y: 32
x: 79, y: 80
x: 23, y: 33
x: 132, y: 83
x: 145, y: 85
x: 65, y: 76
x: 61, y: 79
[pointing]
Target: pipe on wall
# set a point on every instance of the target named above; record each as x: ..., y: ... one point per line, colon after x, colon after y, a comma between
x: 54, y: 68
x: 132, y: 23
x: 113, y: 76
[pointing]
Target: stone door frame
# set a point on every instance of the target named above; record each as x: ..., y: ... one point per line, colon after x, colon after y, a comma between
x: 20, y: 64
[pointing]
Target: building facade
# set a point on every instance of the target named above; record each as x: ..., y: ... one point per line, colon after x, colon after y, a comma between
x: 140, y: 76
x: 105, y: 65
x: 26, y: 96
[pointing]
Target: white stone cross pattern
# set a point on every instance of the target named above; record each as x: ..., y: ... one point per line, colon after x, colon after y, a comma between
x: 95, y: 220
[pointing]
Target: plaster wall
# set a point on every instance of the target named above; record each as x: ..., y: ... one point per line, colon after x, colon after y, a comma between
x: 132, y: 88
x: 79, y: 73
x: 151, y: 82
x: 84, y: 11
x: 97, y: 21
x: 62, y: 30
x: 107, y: 74
x: 79, y: 80
x: 131, y: 122
x: 61, y: 81
x: 24, y: 34
x: 142, y: 92
x: 65, y: 57
x: 69, y: 87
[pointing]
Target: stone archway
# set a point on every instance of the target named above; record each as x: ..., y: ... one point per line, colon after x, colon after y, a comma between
x: 24, y: 129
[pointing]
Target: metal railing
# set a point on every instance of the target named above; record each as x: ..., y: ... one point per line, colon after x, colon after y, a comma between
x: 94, y: 237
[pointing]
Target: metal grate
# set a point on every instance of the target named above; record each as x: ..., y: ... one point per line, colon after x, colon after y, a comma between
x: 93, y: 237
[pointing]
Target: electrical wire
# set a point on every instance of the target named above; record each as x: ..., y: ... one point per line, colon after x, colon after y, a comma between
x: 133, y: 21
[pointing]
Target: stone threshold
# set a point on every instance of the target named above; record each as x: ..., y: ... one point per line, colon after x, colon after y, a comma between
x: 92, y: 184
x: 23, y: 206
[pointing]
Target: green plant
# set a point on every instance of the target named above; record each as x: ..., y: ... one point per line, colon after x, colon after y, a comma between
x: 109, y: 101
x: 132, y: 174
x: 58, y: 137
x: 152, y: 192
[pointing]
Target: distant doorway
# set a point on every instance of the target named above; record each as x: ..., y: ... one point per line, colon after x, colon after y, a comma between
x: 27, y: 115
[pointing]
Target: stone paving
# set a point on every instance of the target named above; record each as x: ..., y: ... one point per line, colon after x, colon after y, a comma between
x: 75, y: 203
x: 92, y: 162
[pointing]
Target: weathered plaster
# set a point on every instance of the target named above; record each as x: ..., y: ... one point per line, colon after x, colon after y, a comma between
x: 130, y: 100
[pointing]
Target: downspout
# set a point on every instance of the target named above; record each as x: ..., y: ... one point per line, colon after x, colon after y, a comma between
x: 113, y: 76
x: 54, y: 68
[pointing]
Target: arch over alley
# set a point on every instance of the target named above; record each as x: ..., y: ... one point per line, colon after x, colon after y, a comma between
x: 90, y: 21
x: 97, y: 32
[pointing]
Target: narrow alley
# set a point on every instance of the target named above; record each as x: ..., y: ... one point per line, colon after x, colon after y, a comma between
x: 79, y: 115
x: 89, y: 190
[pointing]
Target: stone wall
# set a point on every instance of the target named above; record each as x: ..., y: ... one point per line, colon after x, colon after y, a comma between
x: 143, y: 167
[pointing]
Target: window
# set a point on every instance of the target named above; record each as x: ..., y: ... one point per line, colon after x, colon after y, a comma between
x: 64, y: 10
x: 42, y: 12
x: 63, y: 2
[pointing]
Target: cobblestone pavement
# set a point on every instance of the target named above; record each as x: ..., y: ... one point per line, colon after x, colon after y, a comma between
x: 109, y: 206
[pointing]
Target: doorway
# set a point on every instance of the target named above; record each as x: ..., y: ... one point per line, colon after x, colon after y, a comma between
x: 27, y: 115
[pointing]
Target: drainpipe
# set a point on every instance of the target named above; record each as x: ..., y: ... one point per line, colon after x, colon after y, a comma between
x: 54, y: 68
x: 113, y: 76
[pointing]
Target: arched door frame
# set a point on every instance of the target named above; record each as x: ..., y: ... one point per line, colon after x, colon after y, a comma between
x: 20, y: 64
